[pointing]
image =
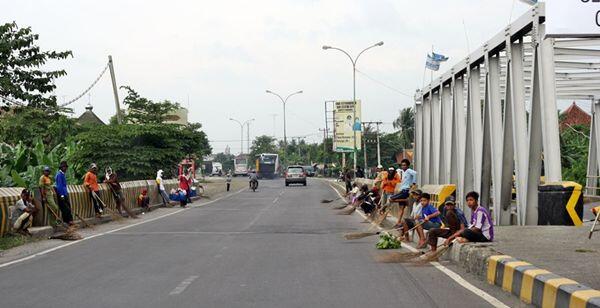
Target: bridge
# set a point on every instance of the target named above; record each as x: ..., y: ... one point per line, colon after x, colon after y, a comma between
x: 490, y: 123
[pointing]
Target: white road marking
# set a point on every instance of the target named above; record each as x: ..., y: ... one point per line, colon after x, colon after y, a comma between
x: 183, y: 285
x: 44, y: 252
x: 454, y: 276
x: 275, y: 201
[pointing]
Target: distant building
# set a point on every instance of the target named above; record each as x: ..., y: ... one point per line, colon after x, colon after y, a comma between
x: 179, y: 116
x: 574, y: 116
x: 89, y: 117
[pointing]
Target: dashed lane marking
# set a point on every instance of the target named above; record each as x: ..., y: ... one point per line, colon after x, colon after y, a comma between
x: 183, y: 285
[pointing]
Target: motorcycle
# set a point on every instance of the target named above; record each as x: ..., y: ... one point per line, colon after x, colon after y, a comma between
x: 253, y: 185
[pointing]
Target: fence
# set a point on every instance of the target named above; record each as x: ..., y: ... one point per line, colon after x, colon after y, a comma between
x: 80, y: 201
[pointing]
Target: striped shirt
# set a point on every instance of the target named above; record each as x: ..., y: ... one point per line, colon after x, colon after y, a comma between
x: 481, y: 219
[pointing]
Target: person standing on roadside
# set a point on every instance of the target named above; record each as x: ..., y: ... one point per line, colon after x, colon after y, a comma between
x: 381, y: 174
x: 184, y: 184
x: 388, y: 185
x: 112, y: 179
x: 409, y: 178
x: 47, y: 192
x: 161, y: 188
x: 90, y: 181
x: 348, y: 176
x: 228, y: 180
x: 60, y: 185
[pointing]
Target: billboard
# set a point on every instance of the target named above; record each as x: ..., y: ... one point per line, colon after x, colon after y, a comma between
x: 345, y: 125
x: 573, y: 18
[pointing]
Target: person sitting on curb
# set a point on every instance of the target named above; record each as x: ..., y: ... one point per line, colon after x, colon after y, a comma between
x: 415, y: 215
x: 90, y: 181
x: 430, y: 218
x: 415, y: 196
x: 455, y: 223
x: 143, y: 201
x: 481, y: 228
x: 23, y: 213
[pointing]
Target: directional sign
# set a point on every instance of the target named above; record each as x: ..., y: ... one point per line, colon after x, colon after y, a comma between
x: 573, y: 18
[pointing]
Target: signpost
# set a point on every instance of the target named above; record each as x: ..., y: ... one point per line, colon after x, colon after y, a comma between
x: 573, y: 18
x: 345, y: 123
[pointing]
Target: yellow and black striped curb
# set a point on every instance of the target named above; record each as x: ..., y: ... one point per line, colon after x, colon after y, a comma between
x: 538, y: 286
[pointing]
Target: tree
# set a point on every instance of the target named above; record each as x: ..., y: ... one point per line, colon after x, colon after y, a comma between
x: 406, y: 124
x: 263, y: 144
x: 21, y: 78
x: 574, y: 143
x: 25, y: 124
x: 226, y: 160
x: 138, y: 151
x: 144, y: 111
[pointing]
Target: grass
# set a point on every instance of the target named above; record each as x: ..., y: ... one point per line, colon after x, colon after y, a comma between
x: 13, y: 240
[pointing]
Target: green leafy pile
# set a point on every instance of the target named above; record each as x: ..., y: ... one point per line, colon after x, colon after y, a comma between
x: 387, y: 241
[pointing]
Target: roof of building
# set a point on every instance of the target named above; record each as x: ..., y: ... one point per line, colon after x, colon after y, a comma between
x: 89, y: 117
x: 574, y: 116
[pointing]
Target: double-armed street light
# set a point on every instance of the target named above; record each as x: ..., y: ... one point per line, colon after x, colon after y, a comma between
x: 242, y: 133
x: 354, y: 60
x: 284, y: 101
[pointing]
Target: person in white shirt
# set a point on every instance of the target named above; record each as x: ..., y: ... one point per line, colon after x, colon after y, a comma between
x: 415, y: 214
x: 161, y: 188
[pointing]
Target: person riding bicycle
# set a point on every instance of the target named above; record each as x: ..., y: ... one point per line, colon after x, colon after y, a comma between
x: 253, y: 177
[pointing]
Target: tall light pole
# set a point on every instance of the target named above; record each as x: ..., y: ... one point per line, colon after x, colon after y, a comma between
x: 241, y: 133
x: 354, y: 60
x: 284, y: 101
x: 248, y: 134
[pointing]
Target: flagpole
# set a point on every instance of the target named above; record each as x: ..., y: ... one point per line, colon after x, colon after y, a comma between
x: 431, y: 70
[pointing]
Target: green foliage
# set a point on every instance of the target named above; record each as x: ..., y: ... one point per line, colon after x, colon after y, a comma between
x: 22, y: 165
x: 574, y: 145
x: 387, y: 241
x: 406, y: 124
x: 26, y: 124
x: 226, y: 160
x: 20, y: 61
x: 144, y: 111
x: 138, y: 151
x: 262, y: 144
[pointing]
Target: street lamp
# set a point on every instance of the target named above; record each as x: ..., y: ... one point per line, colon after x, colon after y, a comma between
x: 284, y: 101
x: 354, y: 60
x: 242, y: 133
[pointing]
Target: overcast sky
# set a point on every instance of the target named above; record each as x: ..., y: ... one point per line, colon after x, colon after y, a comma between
x: 223, y: 55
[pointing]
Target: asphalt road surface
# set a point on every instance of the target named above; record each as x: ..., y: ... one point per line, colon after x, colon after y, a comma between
x: 276, y: 247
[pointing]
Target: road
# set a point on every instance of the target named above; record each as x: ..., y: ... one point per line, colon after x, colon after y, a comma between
x: 277, y: 247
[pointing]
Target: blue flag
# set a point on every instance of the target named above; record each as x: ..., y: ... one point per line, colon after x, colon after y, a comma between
x: 439, y: 57
x: 432, y: 64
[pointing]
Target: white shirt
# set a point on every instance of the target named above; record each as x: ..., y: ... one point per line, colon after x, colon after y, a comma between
x: 416, y: 211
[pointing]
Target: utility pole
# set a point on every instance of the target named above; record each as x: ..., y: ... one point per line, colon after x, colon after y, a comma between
x: 377, y: 134
x: 115, y: 90
x: 364, y: 139
x: 274, y: 115
x: 248, y: 134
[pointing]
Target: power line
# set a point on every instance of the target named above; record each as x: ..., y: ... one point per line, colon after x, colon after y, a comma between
x: 383, y: 84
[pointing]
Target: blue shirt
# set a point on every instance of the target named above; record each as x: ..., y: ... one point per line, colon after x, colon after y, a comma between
x: 409, y: 177
x: 60, y: 182
x: 428, y: 210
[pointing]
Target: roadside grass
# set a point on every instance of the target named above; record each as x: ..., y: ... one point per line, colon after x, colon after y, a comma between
x: 13, y: 240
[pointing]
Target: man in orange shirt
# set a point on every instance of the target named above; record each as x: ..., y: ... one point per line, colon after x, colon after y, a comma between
x: 388, y: 185
x: 91, y: 183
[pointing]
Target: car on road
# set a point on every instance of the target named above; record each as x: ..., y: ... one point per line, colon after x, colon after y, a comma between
x: 295, y: 175
x: 310, y: 171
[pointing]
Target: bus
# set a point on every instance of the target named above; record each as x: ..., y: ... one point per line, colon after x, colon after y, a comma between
x: 240, y: 165
x: 267, y: 165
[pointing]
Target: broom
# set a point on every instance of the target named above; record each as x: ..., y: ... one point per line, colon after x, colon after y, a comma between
x: 112, y: 213
x: 359, y: 235
x: 349, y: 211
x: 433, y: 255
x: 330, y: 200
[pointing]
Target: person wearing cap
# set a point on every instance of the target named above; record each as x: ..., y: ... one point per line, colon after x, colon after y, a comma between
x: 454, y: 221
x: 388, y: 185
x: 415, y: 214
x: 60, y: 185
x: 22, y: 215
x: 429, y: 217
x: 381, y: 174
x: 90, y: 181
x: 47, y: 191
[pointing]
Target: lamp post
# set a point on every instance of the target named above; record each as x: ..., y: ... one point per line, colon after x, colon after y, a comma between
x: 284, y: 101
x: 242, y: 132
x: 353, y: 60
x: 248, y: 134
